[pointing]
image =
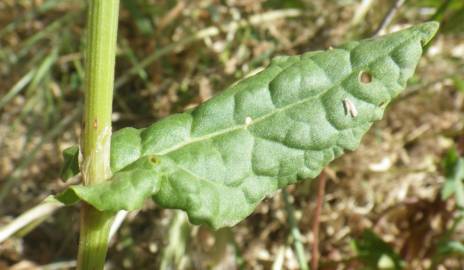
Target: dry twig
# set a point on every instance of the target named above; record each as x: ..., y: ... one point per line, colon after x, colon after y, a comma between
x: 388, y: 17
x: 317, y: 213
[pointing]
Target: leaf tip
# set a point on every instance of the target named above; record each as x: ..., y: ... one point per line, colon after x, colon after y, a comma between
x: 67, y: 197
x: 427, y: 31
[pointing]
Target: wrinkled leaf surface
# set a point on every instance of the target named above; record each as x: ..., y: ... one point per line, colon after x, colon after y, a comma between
x: 218, y: 161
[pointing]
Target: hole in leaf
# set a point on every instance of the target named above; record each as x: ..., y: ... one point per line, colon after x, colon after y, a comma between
x: 153, y: 160
x: 365, y: 77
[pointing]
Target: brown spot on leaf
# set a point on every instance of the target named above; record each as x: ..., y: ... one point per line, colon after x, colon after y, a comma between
x: 153, y: 160
x: 365, y: 77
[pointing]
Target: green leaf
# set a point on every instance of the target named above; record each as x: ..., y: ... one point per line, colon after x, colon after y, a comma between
x: 71, y: 162
x: 451, y: 247
x: 285, y: 124
x: 449, y: 164
x: 454, y: 173
x: 376, y: 253
x: 127, y: 189
x: 459, y: 83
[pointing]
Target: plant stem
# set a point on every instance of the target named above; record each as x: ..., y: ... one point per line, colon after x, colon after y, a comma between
x: 102, y: 24
x: 317, y: 215
x: 295, y: 232
x: 40, y: 212
x: 178, y: 234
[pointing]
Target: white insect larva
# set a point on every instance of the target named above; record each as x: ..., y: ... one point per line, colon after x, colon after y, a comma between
x: 350, y: 108
x: 248, y: 120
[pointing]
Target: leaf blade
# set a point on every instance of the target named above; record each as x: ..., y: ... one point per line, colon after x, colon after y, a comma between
x: 71, y: 163
x: 272, y: 129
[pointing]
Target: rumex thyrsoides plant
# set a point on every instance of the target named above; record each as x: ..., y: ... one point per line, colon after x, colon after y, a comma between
x: 220, y: 159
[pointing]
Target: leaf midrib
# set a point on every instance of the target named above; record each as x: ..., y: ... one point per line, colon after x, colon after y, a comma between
x: 277, y: 110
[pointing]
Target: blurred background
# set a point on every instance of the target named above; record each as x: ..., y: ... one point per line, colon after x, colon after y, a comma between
x: 395, y: 203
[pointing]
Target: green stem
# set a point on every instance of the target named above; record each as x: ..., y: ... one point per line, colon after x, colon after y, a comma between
x: 99, y: 71
x: 178, y: 235
x: 295, y: 232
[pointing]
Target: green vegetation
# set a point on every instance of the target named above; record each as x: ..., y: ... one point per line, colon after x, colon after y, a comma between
x: 179, y: 139
x: 100, y: 54
x: 285, y: 123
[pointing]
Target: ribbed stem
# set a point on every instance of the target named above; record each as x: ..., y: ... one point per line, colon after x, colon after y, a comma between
x: 100, y: 55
